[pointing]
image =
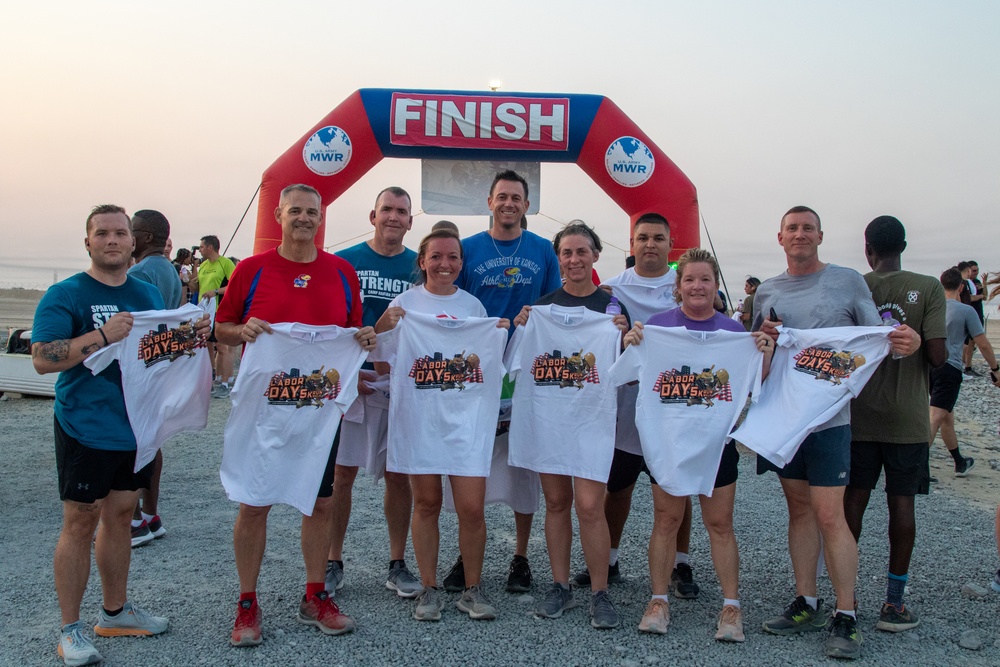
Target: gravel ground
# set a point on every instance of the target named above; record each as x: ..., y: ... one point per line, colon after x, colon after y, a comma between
x: 190, y: 577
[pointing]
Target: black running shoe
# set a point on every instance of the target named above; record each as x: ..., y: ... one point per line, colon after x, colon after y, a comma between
x: 682, y: 580
x: 519, y: 575
x: 455, y: 581
x: 845, y: 638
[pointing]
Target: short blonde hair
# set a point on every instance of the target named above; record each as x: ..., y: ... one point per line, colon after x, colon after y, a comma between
x: 694, y: 256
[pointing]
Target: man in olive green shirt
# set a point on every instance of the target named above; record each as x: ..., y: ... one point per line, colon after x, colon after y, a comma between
x: 889, y: 419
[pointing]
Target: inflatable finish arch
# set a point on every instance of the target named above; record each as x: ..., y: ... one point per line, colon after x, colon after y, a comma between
x: 589, y: 130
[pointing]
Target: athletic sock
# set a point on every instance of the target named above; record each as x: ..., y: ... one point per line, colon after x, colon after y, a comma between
x: 812, y: 601
x: 895, y: 586
x: 402, y: 563
x: 113, y: 613
x: 136, y: 523
x: 731, y: 603
x: 613, y: 558
x: 148, y: 517
x: 314, y: 588
x: 847, y: 612
x: 681, y: 557
x: 955, y: 454
x: 665, y: 598
x: 251, y: 597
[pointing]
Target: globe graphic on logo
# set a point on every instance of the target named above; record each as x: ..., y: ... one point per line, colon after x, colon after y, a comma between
x: 327, y: 151
x: 629, y: 162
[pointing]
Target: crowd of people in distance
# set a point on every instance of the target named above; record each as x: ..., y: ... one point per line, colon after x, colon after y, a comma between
x: 499, y: 369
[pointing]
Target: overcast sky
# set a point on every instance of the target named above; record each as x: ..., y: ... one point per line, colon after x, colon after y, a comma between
x: 855, y: 108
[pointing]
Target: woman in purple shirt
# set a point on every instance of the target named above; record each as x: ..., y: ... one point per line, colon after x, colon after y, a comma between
x: 695, y: 290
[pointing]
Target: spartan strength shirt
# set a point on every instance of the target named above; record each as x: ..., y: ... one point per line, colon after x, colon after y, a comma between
x: 692, y: 387
x: 294, y: 385
x: 564, y: 405
x: 166, y: 377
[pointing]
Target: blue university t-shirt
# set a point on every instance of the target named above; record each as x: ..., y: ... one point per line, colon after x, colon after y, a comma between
x: 506, y: 275
x: 91, y: 408
x: 382, y: 278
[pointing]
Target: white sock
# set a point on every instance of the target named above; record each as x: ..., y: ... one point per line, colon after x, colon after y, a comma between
x: 847, y: 612
x: 230, y: 380
x: 812, y: 601
x: 681, y: 558
x: 731, y: 603
x: 147, y: 517
x: 613, y: 558
x: 660, y: 597
x: 136, y: 523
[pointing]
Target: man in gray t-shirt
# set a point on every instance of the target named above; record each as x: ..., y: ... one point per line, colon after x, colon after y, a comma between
x: 812, y: 294
x: 962, y: 322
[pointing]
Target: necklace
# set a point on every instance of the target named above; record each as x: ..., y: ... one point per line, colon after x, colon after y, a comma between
x: 516, y: 248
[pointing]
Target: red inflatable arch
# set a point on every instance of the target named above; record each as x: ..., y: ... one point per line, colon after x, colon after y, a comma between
x: 589, y: 130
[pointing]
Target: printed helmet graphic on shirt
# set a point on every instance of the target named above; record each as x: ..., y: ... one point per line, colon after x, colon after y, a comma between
x: 436, y: 372
x: 558, y: 371
x: 825, y: 363
x: 293, y: 388
x: 704, y: 388
x: 166, y: 344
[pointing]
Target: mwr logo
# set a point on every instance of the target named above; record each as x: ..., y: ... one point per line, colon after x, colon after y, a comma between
x: 629, y: 162
x: 704, y: 388
x: 572, y: 371
x: 439, y: 373
x: 327, y: 151
x: 166, y: 343
x: 292, y: 388
x: 480, y: 121
x: 827, y: 364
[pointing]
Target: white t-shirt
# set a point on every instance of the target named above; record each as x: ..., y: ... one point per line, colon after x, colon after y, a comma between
x: 814, y: 373
x: 166, y: 377
x: 459, y: 305
x: 692, y: 388
x: 564, y: 406
x: 445, y: 393
x: 644, y: 297
x: 294, y: 385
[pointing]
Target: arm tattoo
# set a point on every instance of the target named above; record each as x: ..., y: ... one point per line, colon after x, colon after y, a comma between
x: 56, y: 351
x: 90, y: 349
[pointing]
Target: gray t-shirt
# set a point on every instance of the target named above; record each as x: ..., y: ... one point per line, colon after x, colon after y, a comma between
x: 834, y: 296
x: 961, y: 321
x: 158, y: 271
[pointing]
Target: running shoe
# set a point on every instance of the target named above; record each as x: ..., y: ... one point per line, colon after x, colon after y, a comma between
x: 519, y: 575
x: 656, y: 618
x: 75, y: 648
x: 603, y: 614
x: 730, y: 627
x: 222, y: 391
x: 334, y: 576
x: 891, y: 619
x: 156, y: 527
x: 402, y: 580
x: 557, y: 600
x: 582, y: 579
x: 682, y: 580
x: 131, y: 621
x: 246, y: 629
x: 141, y: 534
x: 797, y: 618
x: 429, y: 605
x: 322, y: 612
x: 995, y: 584
x: 845, y: 638
x: 475, y: 603
x: 966, y: 465
x: 454, y: 582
